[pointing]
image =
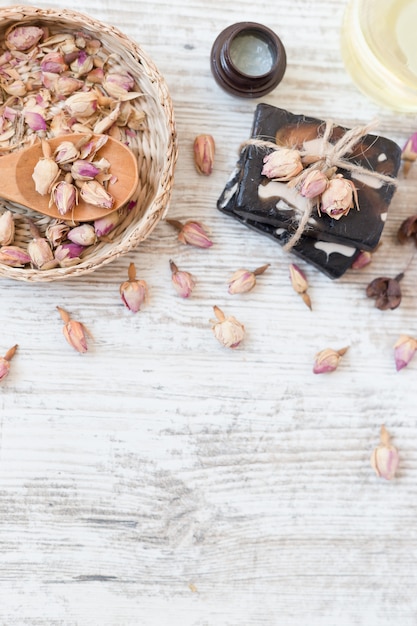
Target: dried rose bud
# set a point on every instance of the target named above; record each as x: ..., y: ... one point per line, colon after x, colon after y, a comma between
x: 409, y: 153
x: 40, y: 253
x: 404, y: 350
x: 192, y: 233
x: 5, y: 362
x: 56, y: 232
x: 105, y: 225
x: 244, y: 280
x: 282, y: 164
x: 13, y: 256
x: 299, y: 283
x: 386, y: 291
x: 408, y: 230
x: 339, y: 197
x: 53, y: 62
x: 385, y: 457
x: 74, y: 332
x: 314, y: 184
x: 183, y: 281
x: 23, y: 37
x: 66, y: 85
x: 133, y: 292
x: 45, y: 174
x: 84, y: 170
x: 35, y: 120
x: 83, y: 64
x: 204, y: 148
x: 7, y: 229
x: 68, y: 254
x: 65, y: 196
x: 66, y: 152
x: 16, y: 88
x: 84, y: 235
x: 118, y: 85
x: 93, y: 193
x: 82, y: 104
x: 362, y: 260
x: 328, y: 360
x: 227, y: 330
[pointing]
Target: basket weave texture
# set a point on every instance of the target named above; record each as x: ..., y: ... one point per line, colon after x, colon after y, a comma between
x: 155, y: 146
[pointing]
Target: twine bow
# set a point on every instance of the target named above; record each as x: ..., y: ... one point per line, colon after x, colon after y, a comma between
x: 330, y: 156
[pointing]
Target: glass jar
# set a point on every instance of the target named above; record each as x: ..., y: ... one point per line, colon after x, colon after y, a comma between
x: 379, y: 50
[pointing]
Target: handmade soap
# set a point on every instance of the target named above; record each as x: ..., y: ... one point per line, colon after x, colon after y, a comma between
x: 277, y: 204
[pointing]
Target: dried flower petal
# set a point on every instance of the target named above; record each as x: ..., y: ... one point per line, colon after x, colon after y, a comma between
x: 386, y: 291
x: 404, y: 350
x: 339, y: 197
x: 244, y: 280
x: 204, y: 148
x: 35, y: 121
x: 192, y: 233
x: 328, y: 360
x: 93, y: 193
x: 7, y: 228
x: 227, y: 330
x: 299, y: 283
x: 5, y: 362
x: 385, y: 457
x: 183, y: 281
x: 282, y: 164
x: 74, y: 332
x: 133, y: 292
x: 82, y: 169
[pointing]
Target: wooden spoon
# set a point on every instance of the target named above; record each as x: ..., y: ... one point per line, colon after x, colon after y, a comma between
x: 17, y: 185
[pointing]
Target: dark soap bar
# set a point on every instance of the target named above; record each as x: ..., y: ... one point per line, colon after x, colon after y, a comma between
x: 269, y: 202
x: 332, y: 259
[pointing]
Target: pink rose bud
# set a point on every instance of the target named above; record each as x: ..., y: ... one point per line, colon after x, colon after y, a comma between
x: 227, y: 330
x: 409, y: 153
x: 299, y: 283
x: 404, y: 351
x: 41, y: 254
x: 13, y: 256
x: 83, y: 64
x: 67, y: 252
x: 385, y: 457
x: 93, y: 193
x: 53, y: 62
x: 183, y: 281
x: 74, y: 332
x: 314, y: 184
x: 84, y: 235
x: 82, y: 104
x: 23, y: 37
x: 7, y: 228
x: 339, y: 197
x: 35, y: 120
x: 66, y: 85
x: 133, y: 292
x: 244, y: 280
x: 83, y: 170
x: 106, y: 224
x: 282, y: 164
x: 192, y: 233
x: 66, y: 152
x: 5, y: 362
x: 16, y: 88
x: 118, y: 85
x: 56, y: 232
x: 362, y: 260
x: 65, y: 196
x: 327, y: 360
x: 204, y: 148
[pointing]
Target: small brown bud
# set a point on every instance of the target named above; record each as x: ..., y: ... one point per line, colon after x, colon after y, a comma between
x: 386, y: 291
x: 204, y: 154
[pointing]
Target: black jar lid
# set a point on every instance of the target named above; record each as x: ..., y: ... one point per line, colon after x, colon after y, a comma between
x: 248, y: 59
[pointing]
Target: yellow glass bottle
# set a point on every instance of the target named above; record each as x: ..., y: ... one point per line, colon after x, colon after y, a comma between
x: 379, y: 49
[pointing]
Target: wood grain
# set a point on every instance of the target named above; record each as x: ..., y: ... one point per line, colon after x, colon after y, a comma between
x: 160, y: 479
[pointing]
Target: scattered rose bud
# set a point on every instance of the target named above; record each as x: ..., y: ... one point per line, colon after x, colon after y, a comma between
x: 133, y: 292
x: 362, y: 260
x: 339, y: 197
x: 282, y: 164
x: 409, y: 153
x: 84, y: 235
x: 385, y: 457
x: 74, y: 332
x: 244, y: 280
x: 408, y: 230
x: 192, y: 233
x: 204, y: 154
x: 93, y: 193
x: 7, y: 229
x: 227, y: 330
x: 23, y: 37
x: 13, y: 256
x: 183, y: 281
x: 5, y: 362
x: 299, y: 283
x: 386, y: 291
x: 404, y: 350
x: 328, y: 360
x: 314, y: 184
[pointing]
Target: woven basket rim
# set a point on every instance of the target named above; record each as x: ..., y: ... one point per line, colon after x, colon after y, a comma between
x: 160, y: 202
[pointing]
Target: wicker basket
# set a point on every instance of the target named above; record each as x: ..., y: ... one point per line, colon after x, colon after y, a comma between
x: 155, y: 146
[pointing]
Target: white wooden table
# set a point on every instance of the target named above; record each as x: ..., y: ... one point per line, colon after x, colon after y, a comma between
x: 161, y: 479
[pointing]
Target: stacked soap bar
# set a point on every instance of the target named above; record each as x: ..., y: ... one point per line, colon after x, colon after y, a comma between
x: 273, y: 208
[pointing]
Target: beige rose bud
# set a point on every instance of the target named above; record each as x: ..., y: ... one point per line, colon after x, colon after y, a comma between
x: 282, y: 164
x: 7, y: 228
x: 339, y: 197
x: 204, y: 154
x: 227, y: 330
x: 385, y: 457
